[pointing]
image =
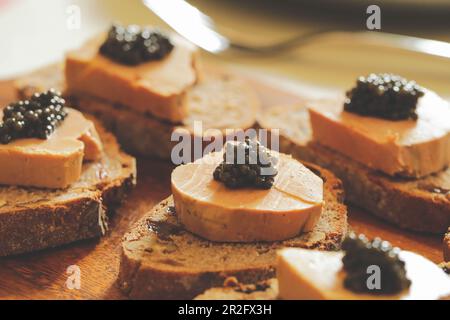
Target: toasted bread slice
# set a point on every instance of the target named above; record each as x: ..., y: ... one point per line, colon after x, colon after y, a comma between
x: 233, y: 290
x: 33, y: 219
x: 416, y: 204
x: 447, y: 246
x: 161, y: 260
x: 218, y: 101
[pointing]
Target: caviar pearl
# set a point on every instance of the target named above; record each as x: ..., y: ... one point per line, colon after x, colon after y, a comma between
x: 34, y: 118
x: 360, y: 253
x: 132, y: 45
x: 384, y: 96
x: 249, y: 173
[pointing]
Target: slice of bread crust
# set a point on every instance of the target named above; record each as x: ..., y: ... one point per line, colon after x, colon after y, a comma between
x: 263, y: 290
x: 233, y: 290
x: 160, y: 260
x: 218, y: 101
x: 32, y: 219
x: 447, y: 246
x: 417, y: 204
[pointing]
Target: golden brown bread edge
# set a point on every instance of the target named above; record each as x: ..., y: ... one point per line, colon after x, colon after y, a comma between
x: 161, y: 260
x: 33, y: 219
x: 421, y: 205
x: 144, y: 135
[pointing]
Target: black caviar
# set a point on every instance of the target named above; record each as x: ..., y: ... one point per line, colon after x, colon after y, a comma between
x: 360, y: 253
x: 255, y: 169
x: 34, y: 118
x: 132, y: 45
x: 384, y: 96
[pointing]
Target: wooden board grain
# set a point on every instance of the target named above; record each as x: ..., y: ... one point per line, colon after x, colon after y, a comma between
x: 43, y: 275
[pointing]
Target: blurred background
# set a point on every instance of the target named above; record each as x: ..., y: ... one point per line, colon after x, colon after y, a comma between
x: 38, y: 32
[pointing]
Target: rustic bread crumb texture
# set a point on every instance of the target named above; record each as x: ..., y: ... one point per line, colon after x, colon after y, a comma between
x: 160, y: 260
x: 263, y: 290
x: 33, y: 219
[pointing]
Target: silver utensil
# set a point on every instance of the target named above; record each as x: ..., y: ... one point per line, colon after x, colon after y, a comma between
x: 200, y: 29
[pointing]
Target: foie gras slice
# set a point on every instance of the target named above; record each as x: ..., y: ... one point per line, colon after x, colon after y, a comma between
x: 209, y: 209
x: 316, y: 275
x: 52, y: 163
x: 155, y: 87
x: 406, y: 148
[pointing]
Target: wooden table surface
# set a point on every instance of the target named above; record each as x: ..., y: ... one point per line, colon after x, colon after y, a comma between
x: 42, y: 275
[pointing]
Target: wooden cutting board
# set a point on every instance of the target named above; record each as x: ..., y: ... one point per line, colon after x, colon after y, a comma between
x: 43, y: 275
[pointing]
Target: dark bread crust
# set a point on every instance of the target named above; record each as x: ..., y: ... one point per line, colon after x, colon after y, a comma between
x: 33, y: 219
x: 141, y: 134
x: 233, y: 290
x: 447, y: 246
x: 160, y: 260
x: 416, y: 204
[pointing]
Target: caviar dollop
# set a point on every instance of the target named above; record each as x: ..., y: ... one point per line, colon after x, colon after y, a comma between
x: 385, y: 95
x: 360, y: 253
x: 34, y: 118
x: 132, y: 45
x: 246, y: 164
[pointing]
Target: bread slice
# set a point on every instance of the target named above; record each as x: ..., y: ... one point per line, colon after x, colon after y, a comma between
x: 447, y: 246
x: 218, y: 101
x: 416, y: 204
x: 33, y: 219
x: 233, y: 290
x: 160, y: 260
